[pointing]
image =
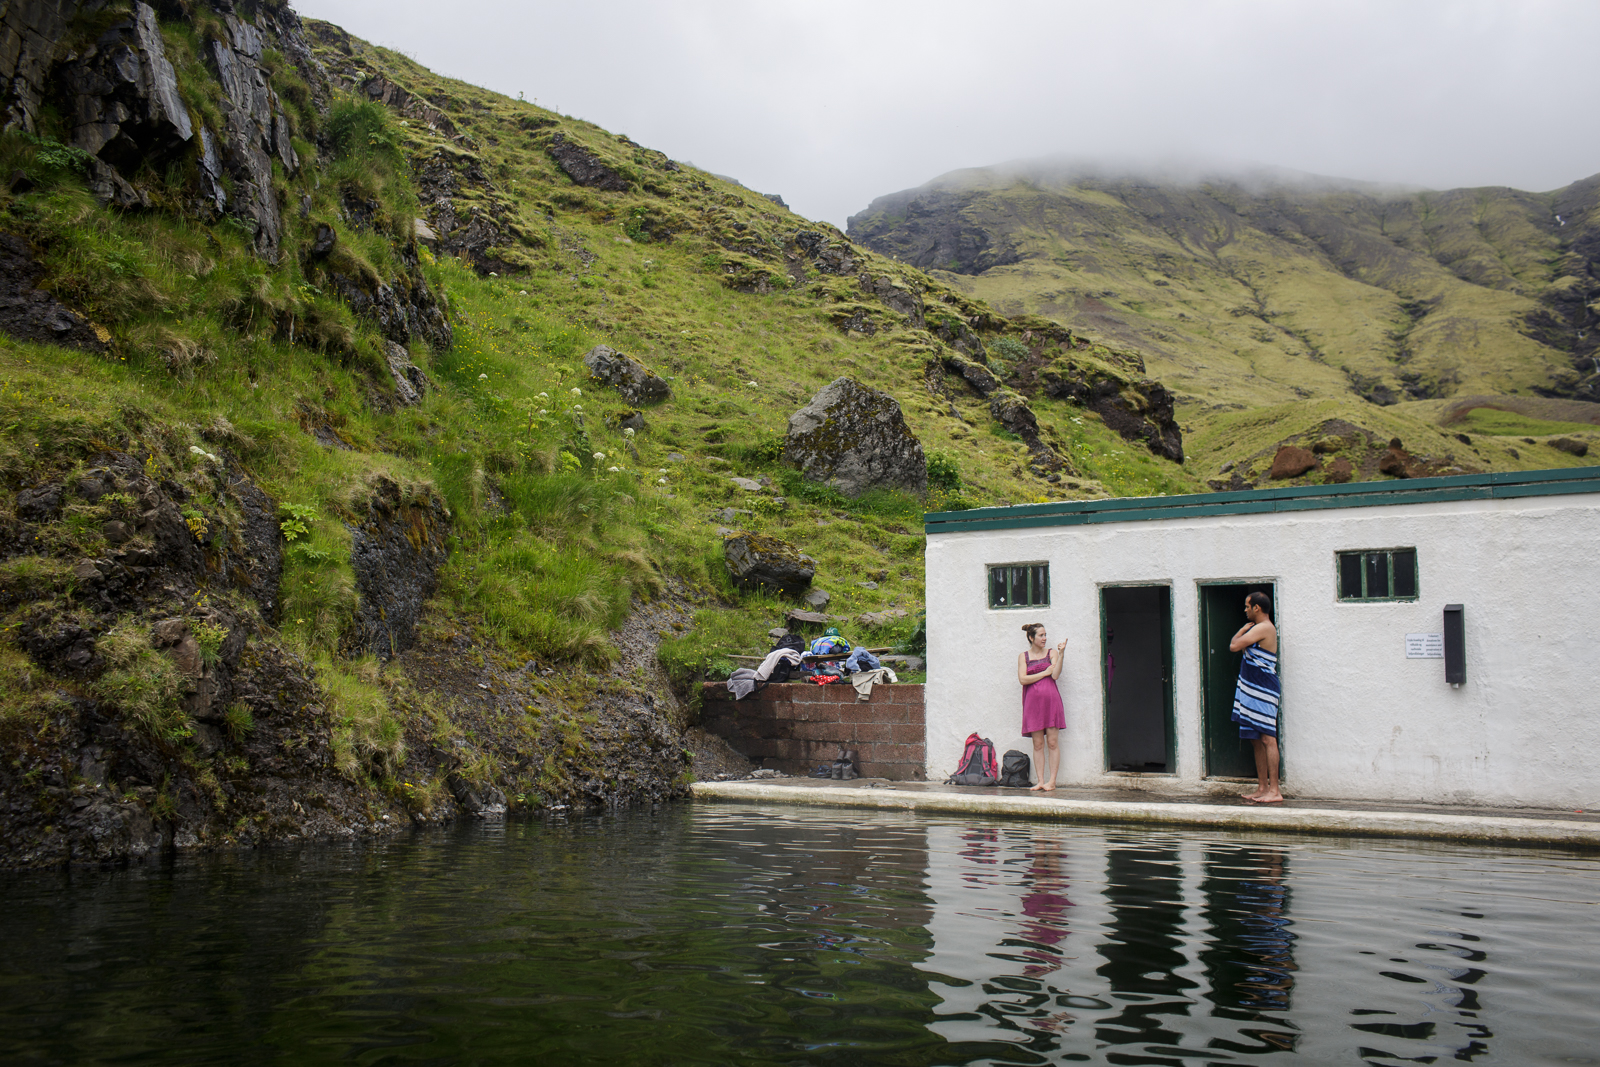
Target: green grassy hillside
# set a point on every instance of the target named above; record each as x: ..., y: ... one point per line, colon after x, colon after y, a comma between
x: 361, y: 353
x: 1263, y: 293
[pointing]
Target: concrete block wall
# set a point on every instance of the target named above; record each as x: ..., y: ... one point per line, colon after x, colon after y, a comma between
x: 794, y: 726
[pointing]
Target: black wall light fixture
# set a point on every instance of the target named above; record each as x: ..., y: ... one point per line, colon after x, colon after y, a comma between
x: 1455, y: 645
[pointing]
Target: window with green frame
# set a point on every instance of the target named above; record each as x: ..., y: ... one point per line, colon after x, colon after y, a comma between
x: 1378, y: 574
x: 1019, y: 585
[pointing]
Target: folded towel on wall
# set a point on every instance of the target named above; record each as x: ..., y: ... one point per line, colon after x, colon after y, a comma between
x: 865, y: 680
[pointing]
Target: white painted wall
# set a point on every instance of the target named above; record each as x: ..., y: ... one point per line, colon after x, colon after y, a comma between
x: 1359, y: 720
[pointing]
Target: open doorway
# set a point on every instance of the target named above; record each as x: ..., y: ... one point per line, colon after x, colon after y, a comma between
x: 1221, y: 615
x: 1136, y: 677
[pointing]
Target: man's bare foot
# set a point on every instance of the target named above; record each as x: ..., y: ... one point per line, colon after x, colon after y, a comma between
x: 1035, y: 787
x: 1266, y: 798
x: 1252, y: 796
x: 1051, y: 788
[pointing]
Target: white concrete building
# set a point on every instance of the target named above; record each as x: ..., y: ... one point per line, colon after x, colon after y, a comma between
x: 1149, y: 591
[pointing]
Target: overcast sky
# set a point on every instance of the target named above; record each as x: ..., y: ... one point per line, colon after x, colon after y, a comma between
x: 834, y: 102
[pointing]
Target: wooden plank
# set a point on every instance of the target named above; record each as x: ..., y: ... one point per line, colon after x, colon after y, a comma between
x: 819, y: 659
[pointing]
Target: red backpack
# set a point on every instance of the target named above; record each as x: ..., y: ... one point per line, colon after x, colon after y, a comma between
x: 978, y: 766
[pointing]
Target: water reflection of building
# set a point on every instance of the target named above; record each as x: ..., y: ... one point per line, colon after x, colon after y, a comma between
x: 1069, y: 943
x: 1153, y: 947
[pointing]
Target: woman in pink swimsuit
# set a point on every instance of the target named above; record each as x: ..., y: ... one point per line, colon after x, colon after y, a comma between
x: 1043, y: 717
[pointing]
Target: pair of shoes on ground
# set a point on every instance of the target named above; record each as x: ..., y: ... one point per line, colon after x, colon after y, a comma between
x: 839, y: 770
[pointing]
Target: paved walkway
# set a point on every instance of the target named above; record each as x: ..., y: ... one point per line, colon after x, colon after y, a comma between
x: 1518, y: 826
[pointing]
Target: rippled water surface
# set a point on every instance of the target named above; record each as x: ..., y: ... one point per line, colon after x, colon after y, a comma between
x: 730, y: 935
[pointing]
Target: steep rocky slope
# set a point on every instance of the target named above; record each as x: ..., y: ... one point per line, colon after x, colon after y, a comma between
x: 313, y: 519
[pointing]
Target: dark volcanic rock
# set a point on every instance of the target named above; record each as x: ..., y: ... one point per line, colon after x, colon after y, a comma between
x: 759, y: 563
x: 974, y: 374
x: 256, y: 556
x: 895, y: 296
x: 583, y: 166
x: 409, y: 381
x: 1013, y: 412
x: 630, y: 378
x: 29, y: 314
x: 1570, y: 446
x: 255, y: 132
x: 828, y: 255
x: 473, y: 228
x: 926, y: 228
x: 404, y: 308
x: 855, y: 439
x: 383, y: 91
x: 396, y: 553
x: 1141, y: 410
x: 1339, y: 471
x: 124, y: 96
x: 29, y: 34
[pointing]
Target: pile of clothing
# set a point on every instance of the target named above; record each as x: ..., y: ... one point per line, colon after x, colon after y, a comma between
x: 830, y: 660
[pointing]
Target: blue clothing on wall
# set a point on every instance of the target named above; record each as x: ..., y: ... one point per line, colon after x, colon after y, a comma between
x: 861, y: 660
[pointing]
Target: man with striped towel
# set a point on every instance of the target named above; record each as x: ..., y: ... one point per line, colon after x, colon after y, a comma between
x: 1255, y: 700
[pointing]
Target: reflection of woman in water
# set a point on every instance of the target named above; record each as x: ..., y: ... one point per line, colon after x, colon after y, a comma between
x: 1043, y: 717
x: 1046, y: 905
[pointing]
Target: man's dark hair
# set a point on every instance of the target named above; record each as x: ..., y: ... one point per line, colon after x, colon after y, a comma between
x: 1262, y: 601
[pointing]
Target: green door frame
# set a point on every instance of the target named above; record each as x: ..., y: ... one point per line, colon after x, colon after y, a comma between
x: 1168, y: 694
x: 1271, y: 586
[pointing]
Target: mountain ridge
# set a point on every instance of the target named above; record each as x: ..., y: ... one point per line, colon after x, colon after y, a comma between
x: 1392, y: 281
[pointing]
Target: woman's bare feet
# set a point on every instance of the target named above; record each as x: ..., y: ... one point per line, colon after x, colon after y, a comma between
x: 1252, y: 796
x: 1035, y: 787
x: 1266, y: 798
x: 1051, y: 788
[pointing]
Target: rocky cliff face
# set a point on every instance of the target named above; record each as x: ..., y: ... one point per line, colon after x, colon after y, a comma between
x: 126, y: 109
x: 930, y: 230
x: 150, y: 699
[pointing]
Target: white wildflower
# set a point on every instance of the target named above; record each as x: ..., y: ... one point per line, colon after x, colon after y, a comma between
x: 544, y: 411
x: 544, y: 396
x: 661, y: 481
x: 627, y: 431
x: 752, y: 385
x: 614, y: 470
x: 576, y: 391
x: 599, y: 456
x: 483, y: 377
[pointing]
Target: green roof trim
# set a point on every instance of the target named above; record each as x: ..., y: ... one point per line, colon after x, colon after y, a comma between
x: 1504, y: 486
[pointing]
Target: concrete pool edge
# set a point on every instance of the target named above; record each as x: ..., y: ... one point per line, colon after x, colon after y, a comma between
x: 1439, y: 826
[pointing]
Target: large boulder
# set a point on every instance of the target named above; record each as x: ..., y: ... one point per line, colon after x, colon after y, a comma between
x: 759, y: 563
x: 583, y: 166
x: 855, y: 438
x: 1291, y: 462
x: 629, y: 377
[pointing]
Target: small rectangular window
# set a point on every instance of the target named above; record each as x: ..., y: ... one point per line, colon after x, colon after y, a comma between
x: 1378, y: 574
x: 1019, y: 585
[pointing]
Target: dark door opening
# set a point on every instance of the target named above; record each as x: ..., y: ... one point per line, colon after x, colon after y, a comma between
x: 1136, y: 677
x: 1221, y: 615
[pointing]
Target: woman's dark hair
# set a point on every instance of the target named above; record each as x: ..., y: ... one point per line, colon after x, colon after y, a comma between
x: 1031, y: 627
x: 1262, y: 601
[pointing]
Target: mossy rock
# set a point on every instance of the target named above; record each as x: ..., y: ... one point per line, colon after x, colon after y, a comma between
x: 855, y: 438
